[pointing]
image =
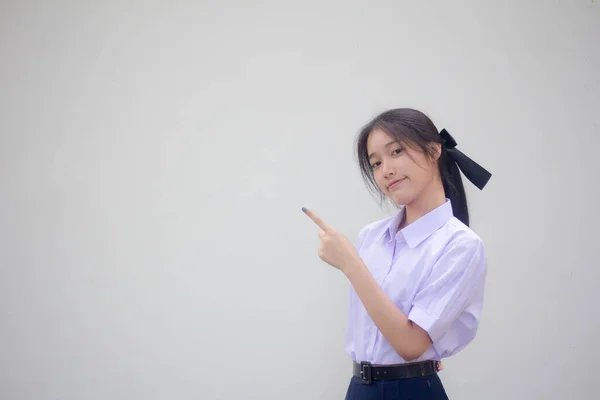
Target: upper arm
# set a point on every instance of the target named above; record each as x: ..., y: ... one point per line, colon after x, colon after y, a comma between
x: 453, y: 291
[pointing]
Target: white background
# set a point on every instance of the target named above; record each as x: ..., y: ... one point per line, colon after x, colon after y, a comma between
x: 155, y: 155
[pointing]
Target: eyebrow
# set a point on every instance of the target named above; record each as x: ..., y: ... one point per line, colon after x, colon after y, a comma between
x: 387, y: 145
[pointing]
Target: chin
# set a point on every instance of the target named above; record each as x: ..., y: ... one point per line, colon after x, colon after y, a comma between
x: 400, y: 200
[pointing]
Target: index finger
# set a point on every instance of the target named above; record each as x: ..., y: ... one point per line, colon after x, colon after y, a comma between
x: 317, y: 220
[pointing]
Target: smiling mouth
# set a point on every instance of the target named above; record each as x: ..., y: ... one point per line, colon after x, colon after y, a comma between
x: 395, y: 184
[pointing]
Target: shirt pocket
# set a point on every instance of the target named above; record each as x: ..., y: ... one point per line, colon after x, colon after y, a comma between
x: 402, y: 284
x: 377, y: 261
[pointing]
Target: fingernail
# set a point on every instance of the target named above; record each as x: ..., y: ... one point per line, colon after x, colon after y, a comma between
x: 303, y: 209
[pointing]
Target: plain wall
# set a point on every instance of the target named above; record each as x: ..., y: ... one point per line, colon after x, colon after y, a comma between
x: 155, y: 156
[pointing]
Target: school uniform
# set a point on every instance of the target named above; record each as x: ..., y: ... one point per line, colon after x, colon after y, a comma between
x: 434, y: 270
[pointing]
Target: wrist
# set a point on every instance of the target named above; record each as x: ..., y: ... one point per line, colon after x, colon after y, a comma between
x: 352, y: 266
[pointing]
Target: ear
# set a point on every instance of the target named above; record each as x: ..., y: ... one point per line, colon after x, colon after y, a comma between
x: 437, y: 151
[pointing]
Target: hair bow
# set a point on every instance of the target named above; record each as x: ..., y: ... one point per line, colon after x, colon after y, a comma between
x: 474, y: 172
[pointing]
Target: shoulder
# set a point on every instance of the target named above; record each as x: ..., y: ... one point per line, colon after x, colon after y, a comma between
x: 462, y: 244
x: 459, y: 234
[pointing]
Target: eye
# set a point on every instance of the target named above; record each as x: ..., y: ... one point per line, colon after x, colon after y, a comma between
x: 375, y: 164
x: 397, y: 151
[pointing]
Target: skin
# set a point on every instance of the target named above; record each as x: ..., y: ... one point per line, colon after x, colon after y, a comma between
x: 420, y: 191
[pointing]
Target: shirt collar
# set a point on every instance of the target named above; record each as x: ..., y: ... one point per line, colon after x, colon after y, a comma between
x: 422, y: 228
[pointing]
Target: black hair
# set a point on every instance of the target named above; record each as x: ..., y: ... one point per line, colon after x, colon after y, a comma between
x: 417, y: 130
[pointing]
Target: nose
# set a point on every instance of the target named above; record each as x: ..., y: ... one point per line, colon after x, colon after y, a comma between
x: 387, y: 169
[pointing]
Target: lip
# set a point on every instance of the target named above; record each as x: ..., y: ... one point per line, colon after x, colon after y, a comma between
x: 395, y: 183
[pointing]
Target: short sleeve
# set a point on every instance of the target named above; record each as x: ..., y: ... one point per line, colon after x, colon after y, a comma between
x: 448, y: 304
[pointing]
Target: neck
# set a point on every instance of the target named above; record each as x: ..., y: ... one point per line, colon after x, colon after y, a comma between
x: 431, y: 198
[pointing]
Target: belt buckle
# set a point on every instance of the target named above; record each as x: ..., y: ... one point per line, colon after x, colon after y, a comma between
x: 366, y: 373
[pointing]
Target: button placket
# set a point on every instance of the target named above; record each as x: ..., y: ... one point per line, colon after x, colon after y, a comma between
x: 390, y: 263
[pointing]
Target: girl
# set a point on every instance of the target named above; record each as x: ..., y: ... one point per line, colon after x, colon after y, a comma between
x: 417, y: 278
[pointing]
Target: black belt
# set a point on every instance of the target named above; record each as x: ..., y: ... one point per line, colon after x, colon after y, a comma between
x: 368, y: 372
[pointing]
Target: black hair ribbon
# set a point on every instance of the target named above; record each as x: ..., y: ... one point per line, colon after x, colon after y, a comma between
x: 474, y: 172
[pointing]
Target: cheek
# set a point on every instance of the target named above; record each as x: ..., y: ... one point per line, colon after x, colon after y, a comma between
x: 422, y: 177
x: 379, y: 180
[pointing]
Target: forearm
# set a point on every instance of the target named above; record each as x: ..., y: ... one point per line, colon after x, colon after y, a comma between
x: 409, y: 340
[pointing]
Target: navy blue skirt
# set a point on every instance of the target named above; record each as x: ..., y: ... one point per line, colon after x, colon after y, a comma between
x: 426, y: 388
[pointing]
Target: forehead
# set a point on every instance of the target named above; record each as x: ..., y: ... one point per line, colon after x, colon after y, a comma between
x: 379, y: 143
x: 378, y: 140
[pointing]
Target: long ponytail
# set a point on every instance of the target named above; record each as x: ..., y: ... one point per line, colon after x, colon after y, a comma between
x: 453, y: 186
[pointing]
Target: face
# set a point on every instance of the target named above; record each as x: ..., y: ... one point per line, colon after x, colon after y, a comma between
x: 402, y: 173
